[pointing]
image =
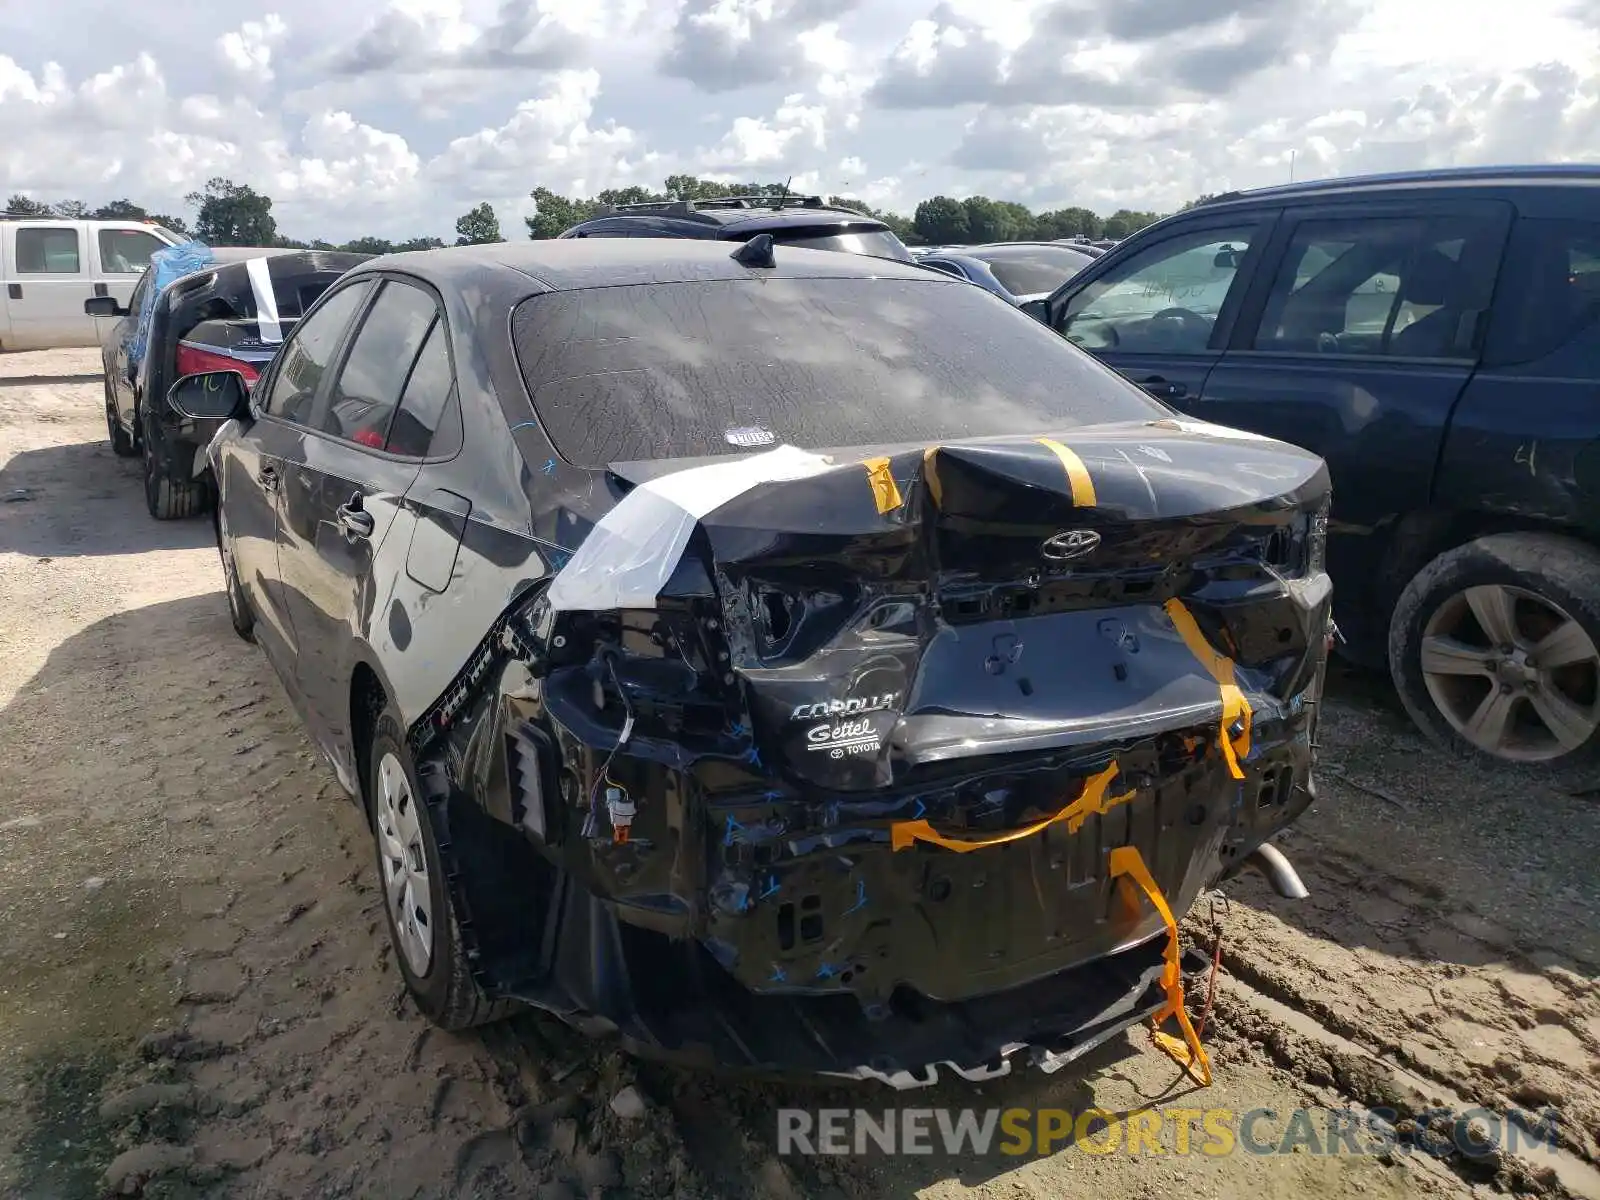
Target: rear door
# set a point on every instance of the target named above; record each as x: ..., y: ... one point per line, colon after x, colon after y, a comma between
x: 48, y: 282
x: 343, y: 492
x: 253, y: 471
x: 119, y: 254
x: 1356, y: 343
x: 1161, y: 314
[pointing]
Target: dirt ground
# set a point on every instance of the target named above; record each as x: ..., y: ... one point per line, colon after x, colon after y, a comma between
x: 197, y: 995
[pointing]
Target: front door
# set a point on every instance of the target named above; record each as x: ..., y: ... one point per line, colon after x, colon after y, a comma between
x: 1160, y: 314
x: 1356, y: 344
x: 48, y: 282
x: 343, y: 495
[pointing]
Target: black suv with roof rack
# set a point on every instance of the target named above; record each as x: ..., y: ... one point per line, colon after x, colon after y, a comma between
x: 1435, y: 337
x: 790, y: 220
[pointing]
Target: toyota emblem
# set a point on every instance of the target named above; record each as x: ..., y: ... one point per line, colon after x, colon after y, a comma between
x: 1068, y: 545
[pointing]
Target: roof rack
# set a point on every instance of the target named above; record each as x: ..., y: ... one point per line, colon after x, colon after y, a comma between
x: 687, y: 208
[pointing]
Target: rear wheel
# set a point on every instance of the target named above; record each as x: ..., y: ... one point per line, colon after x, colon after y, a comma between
x: 122, y: 443
x: 421, y: 917
x: 1495, y: 649
x: 170, y: 491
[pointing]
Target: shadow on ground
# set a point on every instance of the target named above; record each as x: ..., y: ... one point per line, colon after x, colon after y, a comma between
x: 80, y: 499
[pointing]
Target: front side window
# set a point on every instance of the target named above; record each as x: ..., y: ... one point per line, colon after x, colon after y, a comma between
x: 368, y: 388
x: 671, y: 370
x: 309, y: 352
x: 1165, y: 300
x: 1388, y: 286
x: 48, y: 252
x: 127, y: 251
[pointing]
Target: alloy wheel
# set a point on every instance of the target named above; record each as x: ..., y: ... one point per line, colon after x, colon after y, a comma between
x: 1512, y: 672
x: 405, y: 866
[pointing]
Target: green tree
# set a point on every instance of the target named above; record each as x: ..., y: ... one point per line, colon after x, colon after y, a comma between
x: 425, y: 243
x: 26, y: 206
x: 554, y: 214
x: 478, y: 226
x: 119, y: 210
x: 233, y: 214
x: 176, y: 224
x: 369, y: 245
x: 941, y: 221
x: 991, y: 222
x: 72, y: 210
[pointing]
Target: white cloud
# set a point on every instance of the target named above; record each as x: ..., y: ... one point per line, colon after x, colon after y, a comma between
x: 248, y: 49
x: 392, y: 117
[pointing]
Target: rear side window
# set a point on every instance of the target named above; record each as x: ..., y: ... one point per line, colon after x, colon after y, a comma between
x: 428, y: 422
x: 1550, y: 292
x: 692, y: 369
x: 1408, y: 287
x: 48, y: 252
x: 368, y: 389
x: 880, y: 243
x: 309, y: 354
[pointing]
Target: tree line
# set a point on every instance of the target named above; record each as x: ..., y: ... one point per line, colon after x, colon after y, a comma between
x: 234, y: 214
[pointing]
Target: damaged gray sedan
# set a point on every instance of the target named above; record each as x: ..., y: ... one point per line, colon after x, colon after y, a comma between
x: 781, y: 659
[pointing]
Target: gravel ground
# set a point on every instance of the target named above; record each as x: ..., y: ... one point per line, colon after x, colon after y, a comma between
x: 197, y: 996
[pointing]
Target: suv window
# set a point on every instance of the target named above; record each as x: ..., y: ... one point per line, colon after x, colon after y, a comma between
x: 696, y: 369
x: 48, y: 252
x: 1393, y: 286
x: 308, y: 353
x: 880, y: 243
x: 368, y: 388
x: 428, y: 421
x: 127, y: 251
x: 1553, y: 271
x: 1163, y: 300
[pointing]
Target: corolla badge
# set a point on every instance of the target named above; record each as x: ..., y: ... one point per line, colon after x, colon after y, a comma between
x: 1068, y: 545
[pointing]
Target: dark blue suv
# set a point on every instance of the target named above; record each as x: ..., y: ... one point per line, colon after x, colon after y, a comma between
x: 1436, y: 338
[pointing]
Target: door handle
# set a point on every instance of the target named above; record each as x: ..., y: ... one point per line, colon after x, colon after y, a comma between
x: 14, y: 291
x: 353, y: 519
x: 1163, y: 389
x: 267, y: 477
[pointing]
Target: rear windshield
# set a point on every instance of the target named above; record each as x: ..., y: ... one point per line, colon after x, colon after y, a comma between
x: 1031, y: 270
x: 696, y: 369
x: 880, y: 243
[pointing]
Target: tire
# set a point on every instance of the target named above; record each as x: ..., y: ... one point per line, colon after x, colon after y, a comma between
x: 437, y: 975
x: 239, y: 611
x: 1464, y: 608
x: 122, y: 443
x: 170, y: 493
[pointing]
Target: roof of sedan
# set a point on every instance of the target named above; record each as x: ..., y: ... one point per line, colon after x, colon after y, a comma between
x: 572, y: 263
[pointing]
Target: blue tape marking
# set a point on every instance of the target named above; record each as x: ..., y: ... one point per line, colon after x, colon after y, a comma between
x: 550, y: 466
x: 727, y: 837
x: 861, y: 897
x: 738, y: 729
x: 524, y: 425
x: 778, y: 975
x: 827, y: 971
x: 772, y: 886
x: 753, y: 757
x: 831, y: 818
x: 772, y: 795
x: 921, y: 808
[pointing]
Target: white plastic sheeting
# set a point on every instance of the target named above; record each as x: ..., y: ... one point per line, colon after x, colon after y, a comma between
x: 633, y: 550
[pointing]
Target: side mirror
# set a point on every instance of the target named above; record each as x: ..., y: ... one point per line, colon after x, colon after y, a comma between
x: 1039, y: 310
x: 1226, y: 260
x: 212, y: 396
x: 103, y: 306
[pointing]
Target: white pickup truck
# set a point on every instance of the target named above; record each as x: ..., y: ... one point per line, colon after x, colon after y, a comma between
x: 49, y: 267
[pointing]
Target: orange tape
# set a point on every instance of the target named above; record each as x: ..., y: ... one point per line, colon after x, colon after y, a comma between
x: 884, y: 489
x: 1077, y: 474
x: 1093, y: 799
x: 1127, y: 863
x: 930, y: 473
x: 1220, y: 667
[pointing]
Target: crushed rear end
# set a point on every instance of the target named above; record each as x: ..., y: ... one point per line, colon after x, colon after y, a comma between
x: 822, y: 761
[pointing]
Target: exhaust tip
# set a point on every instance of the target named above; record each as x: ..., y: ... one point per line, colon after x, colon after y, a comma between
x: 1280, y: 873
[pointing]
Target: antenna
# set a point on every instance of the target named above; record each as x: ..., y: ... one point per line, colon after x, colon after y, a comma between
x: 785, y: 195
x: 1291, y: 166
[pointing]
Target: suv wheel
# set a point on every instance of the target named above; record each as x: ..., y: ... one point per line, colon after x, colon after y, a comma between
x: 422, y: 921
x: 1495, y: 650
x: 170, y: 492
x: 122, y: 443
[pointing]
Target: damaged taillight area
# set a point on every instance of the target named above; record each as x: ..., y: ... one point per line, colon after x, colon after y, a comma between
x: 876, y: 727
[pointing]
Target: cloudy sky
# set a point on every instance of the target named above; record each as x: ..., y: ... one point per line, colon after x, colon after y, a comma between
x: 392, y: 117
